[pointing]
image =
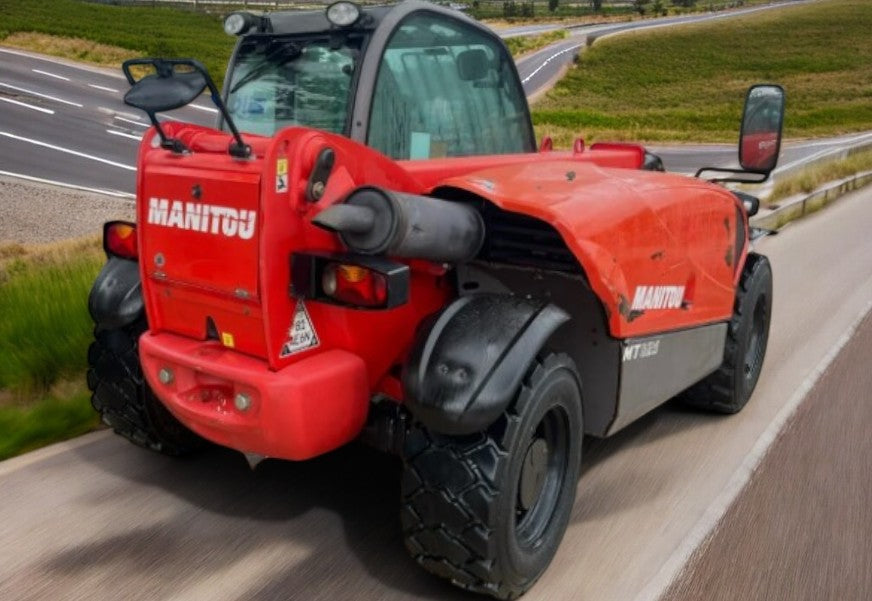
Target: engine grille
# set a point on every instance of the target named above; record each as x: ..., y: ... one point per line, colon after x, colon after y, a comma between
x: 516, y: 239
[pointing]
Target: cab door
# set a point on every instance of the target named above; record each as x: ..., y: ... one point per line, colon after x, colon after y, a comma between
x: 436, y: 85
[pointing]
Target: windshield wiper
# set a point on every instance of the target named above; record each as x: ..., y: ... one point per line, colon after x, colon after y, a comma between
x: 278, y: 56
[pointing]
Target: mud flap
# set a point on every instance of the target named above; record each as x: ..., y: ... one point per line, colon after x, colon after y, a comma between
x: 116, y: 296
x: 465, y: 368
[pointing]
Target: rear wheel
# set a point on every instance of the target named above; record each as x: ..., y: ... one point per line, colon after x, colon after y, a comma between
x: 123, y: 398
x: 488, y: 511
x: 728, y: 389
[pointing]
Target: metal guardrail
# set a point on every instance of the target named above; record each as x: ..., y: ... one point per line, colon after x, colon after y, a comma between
x: 861, y: 143
x: 806, y: 204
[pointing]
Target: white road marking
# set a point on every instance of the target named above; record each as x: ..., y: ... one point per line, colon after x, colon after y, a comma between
x: 104, y: 88
x: 40, y: 180
x: 29, y: 106
x: 548, y: 60
x: 40, y: 95
x: 208, y: 109
x: 706, y: 525
x: 126, y: 120
x: 123, y: 134
x: 50, y: 74
x: 67, y: 151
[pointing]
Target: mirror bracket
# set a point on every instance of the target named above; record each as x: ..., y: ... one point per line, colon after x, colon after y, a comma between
x: 734, y: 175
x: 239, y: 151
x: 172, y: 144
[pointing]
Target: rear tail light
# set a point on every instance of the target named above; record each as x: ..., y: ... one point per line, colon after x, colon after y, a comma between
x: 359, y: 281
x: 354, y: 285
x: 119, y: 240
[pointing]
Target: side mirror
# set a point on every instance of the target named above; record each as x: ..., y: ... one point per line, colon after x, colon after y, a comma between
x: 173, y: 84
x: 170, y: 84
x: 762, y: 122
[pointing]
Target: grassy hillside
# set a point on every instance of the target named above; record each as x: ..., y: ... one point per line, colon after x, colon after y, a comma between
x: 142, y: 30
x: 687, y: 83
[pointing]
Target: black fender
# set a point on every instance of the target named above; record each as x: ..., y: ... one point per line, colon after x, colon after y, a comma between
x: 116, y: 296
x: 466, y: 367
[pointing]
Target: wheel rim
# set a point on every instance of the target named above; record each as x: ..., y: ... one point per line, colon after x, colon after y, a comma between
x: 757, y: 342
x: 542, y: 475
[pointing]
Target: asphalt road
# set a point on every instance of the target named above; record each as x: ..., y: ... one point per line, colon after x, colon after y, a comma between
x: 688, y: 158
x: 802, y: 530
x: 98, y: 518
x: 66, y: 122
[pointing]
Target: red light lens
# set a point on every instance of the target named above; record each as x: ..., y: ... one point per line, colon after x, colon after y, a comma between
x: 355, y: 285
x: 119, y: 239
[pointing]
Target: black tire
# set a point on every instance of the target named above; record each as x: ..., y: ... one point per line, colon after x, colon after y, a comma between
x: 472, y: 513
x: 123, y: 398
x: 728, y: 389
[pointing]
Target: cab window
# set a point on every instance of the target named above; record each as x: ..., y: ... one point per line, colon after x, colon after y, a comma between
x: 445, y: 89
x: 280, y: 82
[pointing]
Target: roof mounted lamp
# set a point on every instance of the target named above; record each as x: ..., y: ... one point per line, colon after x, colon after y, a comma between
x: 343, y: 13
x: 240, y: 23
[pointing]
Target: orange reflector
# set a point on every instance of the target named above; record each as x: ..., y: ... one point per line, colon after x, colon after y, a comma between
x: 352, y: 273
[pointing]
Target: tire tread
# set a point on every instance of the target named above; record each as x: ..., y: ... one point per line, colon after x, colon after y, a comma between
x: 121, y: 396
x: 459, y: 550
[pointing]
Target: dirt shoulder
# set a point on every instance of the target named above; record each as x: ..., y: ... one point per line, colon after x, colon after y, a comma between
x: 32, y: 213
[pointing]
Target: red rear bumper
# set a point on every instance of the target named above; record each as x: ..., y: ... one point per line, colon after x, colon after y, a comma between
x: 304, y: 410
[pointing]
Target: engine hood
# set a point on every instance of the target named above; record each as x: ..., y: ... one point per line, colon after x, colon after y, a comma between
x: 629, y: 230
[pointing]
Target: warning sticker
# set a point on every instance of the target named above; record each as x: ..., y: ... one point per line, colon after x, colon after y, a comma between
x: 281, y: 175
x: 227, y: 339
x: 301, y: 334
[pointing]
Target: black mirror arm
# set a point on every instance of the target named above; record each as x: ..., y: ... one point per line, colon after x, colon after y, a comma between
x: 238, y: 148
x: 169, y: 143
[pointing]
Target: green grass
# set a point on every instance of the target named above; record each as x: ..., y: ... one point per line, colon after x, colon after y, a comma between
x: 811, y: 178
x: 688, y: 83
x: 44, y: 422
x: 523, y: 44
x: 160, y: 31
x: 45, y: 327
x: 45, y: 331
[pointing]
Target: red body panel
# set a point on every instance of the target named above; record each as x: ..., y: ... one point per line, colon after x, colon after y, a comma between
x: 628, y: 228
x: 302, y: 411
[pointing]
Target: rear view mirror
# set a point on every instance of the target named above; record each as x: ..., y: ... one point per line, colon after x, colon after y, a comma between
x: 160, y: 84
x: 762, y: 121
x: 170, y: 85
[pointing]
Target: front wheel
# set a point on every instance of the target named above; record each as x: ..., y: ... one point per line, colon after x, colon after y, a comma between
x: 728, y: 389
x: 488, y: 511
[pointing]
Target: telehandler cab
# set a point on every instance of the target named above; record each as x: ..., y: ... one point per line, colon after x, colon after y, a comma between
x: 370, y: 246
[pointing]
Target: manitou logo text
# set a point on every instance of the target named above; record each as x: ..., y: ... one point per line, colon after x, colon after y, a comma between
x: 658, y: 297
x: 198, y: 217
